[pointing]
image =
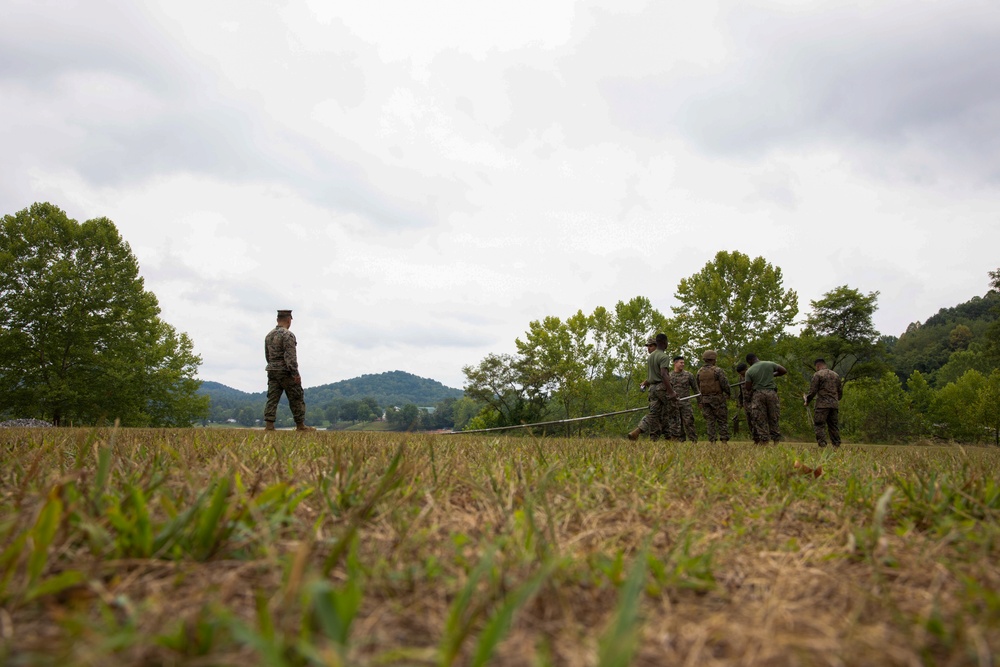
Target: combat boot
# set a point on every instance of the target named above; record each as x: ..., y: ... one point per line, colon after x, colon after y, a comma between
x: 301, y: 426
x: 634, y: 434
x: 268, y: 426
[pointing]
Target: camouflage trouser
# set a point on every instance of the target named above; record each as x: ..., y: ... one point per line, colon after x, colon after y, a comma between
x: 823, y: 419
x: 283, y: 381
x: 716, y: 417
x: 765, y: 415
x: 682, y: 426
x: 657, y: 420
x: 748, y: 411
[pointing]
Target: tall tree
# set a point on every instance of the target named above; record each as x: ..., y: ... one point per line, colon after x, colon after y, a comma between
x: 81, y: 340
x: 734, y: 303
x: 840, y: 329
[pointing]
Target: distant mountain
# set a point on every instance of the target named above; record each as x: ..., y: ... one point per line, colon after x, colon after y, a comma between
x: 390, y: 388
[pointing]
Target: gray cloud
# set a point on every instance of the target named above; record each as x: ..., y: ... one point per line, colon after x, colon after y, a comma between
x: 919, y: 80
x: 105, y: 92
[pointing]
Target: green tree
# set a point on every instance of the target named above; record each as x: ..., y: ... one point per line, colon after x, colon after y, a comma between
x: 955, y: 403
x: 735, y: 303
x: 463, y: 410
x: 840, y: 329
x: 406, y: 418
x: 877, y: 410
x: 960, y: 337
x: 986, y: 408
x: 81, y: 340
x: 922, y: 401
x: 513, y: 392
x: 961, y: 361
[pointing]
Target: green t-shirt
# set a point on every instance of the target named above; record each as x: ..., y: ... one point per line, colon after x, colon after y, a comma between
x: 658, y: 360
x: 761, y: 374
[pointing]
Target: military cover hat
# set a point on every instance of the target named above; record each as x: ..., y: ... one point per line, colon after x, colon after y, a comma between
x: 709, y: 355
x: 651, y: 340
x: 284, y: 313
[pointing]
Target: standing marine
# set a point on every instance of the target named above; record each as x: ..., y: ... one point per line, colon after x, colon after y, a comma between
x: 283, y: 374
x: 827, y: 389
x: 766, y: 408
x: 713, y: 385
x: 682, y: 413
x: 744, y: 402
x: 660, y: 392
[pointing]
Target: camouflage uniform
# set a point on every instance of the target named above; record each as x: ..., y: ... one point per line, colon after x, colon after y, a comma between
x: 744, y: 400
x: 766, y: 410
x: 827, y: 390
x: 656, y: 420
x: 714, y: 387
x: 682, y: 412
x: 283, y: 374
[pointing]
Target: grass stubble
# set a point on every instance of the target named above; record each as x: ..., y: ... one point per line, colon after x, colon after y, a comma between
x: 200, y: 547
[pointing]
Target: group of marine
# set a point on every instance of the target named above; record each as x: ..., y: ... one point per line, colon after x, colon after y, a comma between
x: 672, y: 390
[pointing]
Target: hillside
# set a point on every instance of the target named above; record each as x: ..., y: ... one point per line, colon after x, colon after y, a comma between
x: 928, y: 346
x: 390, y: 388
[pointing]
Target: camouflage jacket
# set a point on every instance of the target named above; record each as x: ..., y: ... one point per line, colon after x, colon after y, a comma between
x: 683, y: 383
x: 826, y: 388
x: 279, y: 351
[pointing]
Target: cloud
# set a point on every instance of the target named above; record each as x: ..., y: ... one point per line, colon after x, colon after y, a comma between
x: 916, y: 80
x: 103, y: 90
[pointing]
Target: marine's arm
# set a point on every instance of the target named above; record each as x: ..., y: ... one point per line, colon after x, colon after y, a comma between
x: 290, y: 355
x: 813, y: 389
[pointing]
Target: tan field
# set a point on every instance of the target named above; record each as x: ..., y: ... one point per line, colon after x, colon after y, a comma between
x: 228, y: 547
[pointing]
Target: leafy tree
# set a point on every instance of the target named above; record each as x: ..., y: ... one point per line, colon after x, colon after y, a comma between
x: 463, y: 410
x: 81, y: 340
x: 583, y: 365
x: 960, y: 337
x: 877, y: 410
x: 560, y: 356
x: 922, y: 401
x: 986, y: 408
x: 735, y: 303
x: 504, y: 383
x: 840, y: 330
x: 406, y: 418
x: 955, y: 403
x: 961, y: 361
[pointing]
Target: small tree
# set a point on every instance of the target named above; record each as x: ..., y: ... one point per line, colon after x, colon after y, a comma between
x: 954, y: 405
x: 921, y: 400
x: 986, y: 409
x: 878, y: 410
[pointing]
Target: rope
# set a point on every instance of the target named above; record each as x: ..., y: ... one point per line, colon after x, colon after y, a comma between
x: 561, y: 421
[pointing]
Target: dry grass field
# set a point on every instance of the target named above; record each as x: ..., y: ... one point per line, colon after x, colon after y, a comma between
x: 202, y: 547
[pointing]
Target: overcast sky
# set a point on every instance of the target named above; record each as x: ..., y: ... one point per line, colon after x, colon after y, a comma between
x: 419, y: 180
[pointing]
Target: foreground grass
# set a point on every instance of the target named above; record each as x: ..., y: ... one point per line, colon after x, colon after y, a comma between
x: 205, y: 547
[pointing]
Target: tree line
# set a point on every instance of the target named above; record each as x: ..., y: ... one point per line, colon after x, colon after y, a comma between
x: 593, y: 363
